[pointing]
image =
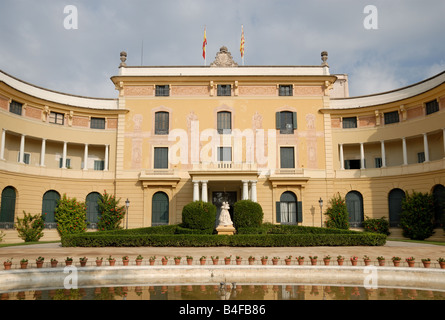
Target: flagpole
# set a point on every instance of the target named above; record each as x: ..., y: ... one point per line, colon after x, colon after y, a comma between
x: 242, y: 44
x: 204, y: 46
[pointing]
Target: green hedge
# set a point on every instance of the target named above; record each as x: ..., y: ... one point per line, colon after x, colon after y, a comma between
x: 199, y: 215
x: 242, y: 240
x: 268, y: 228
x: 247, y: 213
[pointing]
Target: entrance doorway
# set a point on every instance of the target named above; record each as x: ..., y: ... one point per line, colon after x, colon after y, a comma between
x: 218, y: 197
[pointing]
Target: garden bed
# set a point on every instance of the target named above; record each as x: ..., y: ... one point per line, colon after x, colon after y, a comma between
x: 266, y: 236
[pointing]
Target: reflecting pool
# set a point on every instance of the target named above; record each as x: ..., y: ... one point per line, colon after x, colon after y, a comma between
x: 229, y: 291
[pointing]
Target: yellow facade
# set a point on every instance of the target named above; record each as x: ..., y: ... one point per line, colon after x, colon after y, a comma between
x: 282, y: 136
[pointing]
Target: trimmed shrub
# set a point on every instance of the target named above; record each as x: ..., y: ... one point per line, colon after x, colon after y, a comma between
x: 71, y: 216
x: 246, y: 240
x: 247, y: 213
x: 199, y: 215
x: 376, y: 225
x: 337, y: 213
x: 30, y: 227
x: 417, y: 217
x: 111, y: 213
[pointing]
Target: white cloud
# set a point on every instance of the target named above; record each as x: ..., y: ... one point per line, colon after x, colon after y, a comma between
x: 36, y: 48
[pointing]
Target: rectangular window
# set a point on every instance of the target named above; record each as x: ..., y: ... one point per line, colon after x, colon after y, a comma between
x: 99, y: 165
x: 352, y: 164
x: 224, y: 90
x: 56, y: 118
x: 421, y: 157
x: 287, y: 158
x: 97, y: 123
x: 286, y: 122
x: 224, y: 122
x: 67, y: 164
x: 162, y: 91
x: 162, y: 123
x: 285, y: 90
x: 26, y: 158
x: 378, y: 162
x: 432, y: 107
x: 15, y: 107
x: 160, y: 158
x: 391, y: 117
x: 350, y: 122
x: 225, y: 154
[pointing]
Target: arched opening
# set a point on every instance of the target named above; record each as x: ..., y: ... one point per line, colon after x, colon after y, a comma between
x: 439, y: 205
x: 93, y: 213
x: 160, y: 209
x: 7, y: 211
x: 354, y: 205
x: 289, y: 210
x: 395, y: 198
x: 49, y: 205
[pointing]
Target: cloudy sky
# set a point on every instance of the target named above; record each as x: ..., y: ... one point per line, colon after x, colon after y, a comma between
x: 407, y: 47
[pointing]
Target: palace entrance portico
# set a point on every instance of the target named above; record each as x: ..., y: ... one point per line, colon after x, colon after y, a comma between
x: 224, y: 185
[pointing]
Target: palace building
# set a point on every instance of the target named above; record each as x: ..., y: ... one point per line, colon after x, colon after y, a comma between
x: 283, y: 136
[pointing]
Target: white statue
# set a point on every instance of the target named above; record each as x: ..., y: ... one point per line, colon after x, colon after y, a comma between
x: 224, y: 216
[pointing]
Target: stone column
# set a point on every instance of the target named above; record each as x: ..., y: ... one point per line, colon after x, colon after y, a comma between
x: 405, y: 154
x: 2, y: 148
x: 42, y: 153
x: 204, y: 191
x: 425, y: 147
x: 362, y: 156
x: 65, y: 146
x: 443, y: 143
x: 342, y: 158
x: 22, y: 149
x: 85, y: 158
x: 245, y: 190
x: 253, y: 191
x: 195, y: 190
x: 107, y: 155
x: 383, y: 154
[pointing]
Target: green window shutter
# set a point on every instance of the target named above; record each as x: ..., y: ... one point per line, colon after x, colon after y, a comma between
x: 161, y: 158
x: 294, y: 119
x: 300, y: 211
x: 278, y: 212
x: 7, y: 210
x: 287, y: 160
x: 278, y: 120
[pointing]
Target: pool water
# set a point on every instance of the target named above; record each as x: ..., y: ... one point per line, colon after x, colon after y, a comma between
x: 227, y: 292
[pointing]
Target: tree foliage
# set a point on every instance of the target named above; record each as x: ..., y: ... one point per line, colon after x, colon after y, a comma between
x: 111, y: 213
x: 337, y: 213
x: 71, y: 216
x: 417, y: 217
x: 30, y: 227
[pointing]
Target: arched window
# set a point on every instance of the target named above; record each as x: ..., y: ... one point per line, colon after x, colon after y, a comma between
x: 7, y: 210
x: 49, y: 205
x: 395, y: 198
x: 439, y: 204
x: 92, y: 209
x: 354, y: 205
x: 160, y: 209
x: 289, y: 210
x: 224, y: 122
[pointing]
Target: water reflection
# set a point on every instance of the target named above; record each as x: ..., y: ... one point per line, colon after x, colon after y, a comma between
x: 227, y: 291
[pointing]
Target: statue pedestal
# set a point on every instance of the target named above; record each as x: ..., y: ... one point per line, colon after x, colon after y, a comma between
x: 226, y: 230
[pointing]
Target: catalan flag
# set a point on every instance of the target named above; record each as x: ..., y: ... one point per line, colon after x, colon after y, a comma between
x: 204, y: 44
x: 241, y: 49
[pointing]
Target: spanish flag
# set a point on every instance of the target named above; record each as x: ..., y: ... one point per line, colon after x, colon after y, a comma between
x: 241, y: 49
x: 204, y: 44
